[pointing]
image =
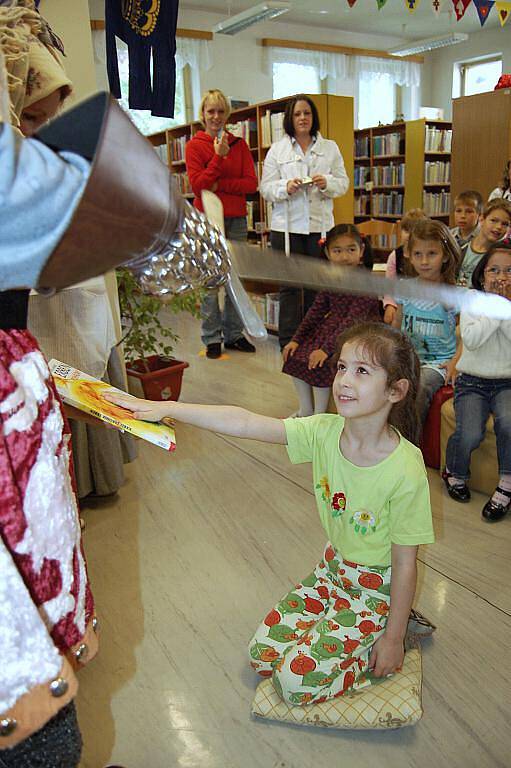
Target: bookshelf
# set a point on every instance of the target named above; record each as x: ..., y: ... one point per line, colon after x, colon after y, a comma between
x: 260, y: 125
x: 400, y: 166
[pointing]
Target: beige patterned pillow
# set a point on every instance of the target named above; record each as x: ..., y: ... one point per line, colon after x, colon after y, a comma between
x: 393, y: 703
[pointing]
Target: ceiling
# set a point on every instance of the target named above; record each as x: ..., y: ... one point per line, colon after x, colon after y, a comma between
x: 393, y: 19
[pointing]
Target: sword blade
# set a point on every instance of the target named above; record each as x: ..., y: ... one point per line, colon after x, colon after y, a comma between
x: 267, y: 265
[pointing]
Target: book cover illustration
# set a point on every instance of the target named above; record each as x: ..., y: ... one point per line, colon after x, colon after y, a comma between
x: 86, y: 393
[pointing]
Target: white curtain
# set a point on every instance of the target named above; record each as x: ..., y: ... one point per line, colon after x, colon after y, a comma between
x: 327, y: 64
x: 407, y: 73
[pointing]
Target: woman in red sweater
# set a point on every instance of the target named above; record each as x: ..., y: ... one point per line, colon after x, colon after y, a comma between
x: 218, y: 161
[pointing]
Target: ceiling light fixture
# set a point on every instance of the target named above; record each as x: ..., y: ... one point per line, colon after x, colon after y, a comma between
x: 262, y: 12
x: 429, y: 44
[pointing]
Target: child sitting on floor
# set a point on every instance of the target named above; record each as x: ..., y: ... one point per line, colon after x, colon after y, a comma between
x: 343, y: 626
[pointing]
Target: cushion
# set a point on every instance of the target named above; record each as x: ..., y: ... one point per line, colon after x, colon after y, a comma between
x: 430, y: 443
x: 484, y: 473
x: 393, y: 703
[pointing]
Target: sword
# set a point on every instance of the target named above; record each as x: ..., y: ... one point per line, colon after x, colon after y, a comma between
x: 267, y: 265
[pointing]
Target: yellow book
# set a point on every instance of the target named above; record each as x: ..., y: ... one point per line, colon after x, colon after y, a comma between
x: 85, y: 393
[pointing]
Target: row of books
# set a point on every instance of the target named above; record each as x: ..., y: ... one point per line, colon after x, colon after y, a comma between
x: 183, y: 183
x: 388, y: 144
x: 268, y: 208
x: 361, y: 175
x: 438, y: 139
x: 177, y: 148
x: 389, y: 175
x: 385, y: 242
x: 361, y: 146
x: 362, y: 205
x: 436, y: 203
x: 272, y: 127
x: 437, y: 172
x: 267, y: 307
x: 244, y: 129
x: 387, y: 204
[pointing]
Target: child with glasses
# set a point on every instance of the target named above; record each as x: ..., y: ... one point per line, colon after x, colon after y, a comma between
x: 483, y: 386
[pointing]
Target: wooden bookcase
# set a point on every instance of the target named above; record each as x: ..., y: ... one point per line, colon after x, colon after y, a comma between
x: 336, y: 120
x: 398, y: 167
x: 481, y: 143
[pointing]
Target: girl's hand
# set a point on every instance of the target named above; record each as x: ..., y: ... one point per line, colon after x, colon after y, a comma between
x: 214, y: 186
x: 389, y: 314
x: 289, y: 350
x: 501, y: 288
x: 147, y: 410
x: 221, y: 146
x: 317, y: 359
x: 293, y: 185
x: 386, y: 656
x: 450, y: 370
x: 319, y: 181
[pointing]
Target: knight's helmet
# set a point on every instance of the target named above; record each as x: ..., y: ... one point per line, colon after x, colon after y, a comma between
x: 131, y: 211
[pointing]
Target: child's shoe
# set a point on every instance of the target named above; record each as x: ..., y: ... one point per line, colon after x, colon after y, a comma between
x: 493, y: 511
x: 459, y: 492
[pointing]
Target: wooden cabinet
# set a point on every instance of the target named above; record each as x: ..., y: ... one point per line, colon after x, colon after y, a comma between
x: 481, y: 140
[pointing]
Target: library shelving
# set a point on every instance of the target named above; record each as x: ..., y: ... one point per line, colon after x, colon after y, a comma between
x: 403, y: 165
x: 481, y: 140
x: 260, y: 125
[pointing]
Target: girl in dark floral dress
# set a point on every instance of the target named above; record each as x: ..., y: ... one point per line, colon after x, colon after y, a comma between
x: 307, y: 354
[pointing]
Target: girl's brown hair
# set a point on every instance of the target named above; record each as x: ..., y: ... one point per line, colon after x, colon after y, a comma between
x: 392, y: 350
x: 429, y: 229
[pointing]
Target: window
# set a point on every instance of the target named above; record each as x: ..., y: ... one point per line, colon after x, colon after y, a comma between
x: 479, y: 76
x: 294, y: 78
x: 145, y: 122
x: 376, y: 99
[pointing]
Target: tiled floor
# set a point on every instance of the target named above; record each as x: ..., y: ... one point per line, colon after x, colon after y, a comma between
x: 199, y: 546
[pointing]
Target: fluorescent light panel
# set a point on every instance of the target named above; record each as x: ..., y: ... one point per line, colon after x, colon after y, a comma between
x: 429, y: 44
x: 261, y: 12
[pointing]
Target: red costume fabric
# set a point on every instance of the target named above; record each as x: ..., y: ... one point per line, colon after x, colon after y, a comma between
x: 234, y: 174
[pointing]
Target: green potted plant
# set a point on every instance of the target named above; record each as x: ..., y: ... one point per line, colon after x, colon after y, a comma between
x: 147, y: 342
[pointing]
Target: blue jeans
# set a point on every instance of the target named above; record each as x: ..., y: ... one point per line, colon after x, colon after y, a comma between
x: 216, y: 324
x: 474, y: 400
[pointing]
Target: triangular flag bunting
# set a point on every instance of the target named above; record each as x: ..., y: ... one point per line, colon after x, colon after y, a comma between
x: 412, y: 5
x: 351, y: 3
x: 503, y: 10
x: 380, y: 4
x: 460, y: 6
x: 437, y: 6
x: 483, y: 8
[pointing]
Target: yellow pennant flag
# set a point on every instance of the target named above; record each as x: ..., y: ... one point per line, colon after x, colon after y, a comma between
x: 503, y: 10
x: 412, y: 5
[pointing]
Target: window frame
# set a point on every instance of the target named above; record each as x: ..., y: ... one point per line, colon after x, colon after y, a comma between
x: 464, y: 66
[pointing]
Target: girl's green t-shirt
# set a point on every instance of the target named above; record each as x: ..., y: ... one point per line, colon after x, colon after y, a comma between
x: 364, y: 510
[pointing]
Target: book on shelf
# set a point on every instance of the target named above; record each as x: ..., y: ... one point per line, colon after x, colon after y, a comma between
x: 387, y: 204
x: 438, y: 139
x: 385, y: 242
x: 388, y: 144
x: 161, y: 151
x: 437, y: 172
x: 361, y: 175
x: 389, y: 175
x: 272, y: 127
x: 183, y: 183
x: 361, y: 203
x: 268, y: 209
x: 361, y: 146
x: 243, y: 129
x: 436, y: 203
x: 177, y: 148
x: 267, y: 307
x: 86, y: 393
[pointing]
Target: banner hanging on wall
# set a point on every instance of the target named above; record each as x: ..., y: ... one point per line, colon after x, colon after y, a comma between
x: 380, y: 4
x: 412, y: 5
x: 436, y: 5
x: 483, y: 8
x: 503, y: 10
x: 460, y: 6
x: 351, y: 3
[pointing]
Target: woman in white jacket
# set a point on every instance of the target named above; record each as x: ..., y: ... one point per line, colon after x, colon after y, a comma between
x: 302, y: 174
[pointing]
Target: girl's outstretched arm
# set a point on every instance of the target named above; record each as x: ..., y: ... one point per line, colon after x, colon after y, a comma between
x: 226, y: 419
x: 388, y: 651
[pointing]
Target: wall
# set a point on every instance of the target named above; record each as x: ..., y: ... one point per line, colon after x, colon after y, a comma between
x: 238, y: 61
x: 438, y: 66
x: 70, y: 20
